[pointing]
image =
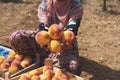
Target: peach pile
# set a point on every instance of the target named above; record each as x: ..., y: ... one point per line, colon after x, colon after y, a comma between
x: 56, y: 39
x: 46, y: 73
x: 14, y: 62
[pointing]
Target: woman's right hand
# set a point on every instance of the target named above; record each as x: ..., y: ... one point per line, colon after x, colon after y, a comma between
x: 45, y: 47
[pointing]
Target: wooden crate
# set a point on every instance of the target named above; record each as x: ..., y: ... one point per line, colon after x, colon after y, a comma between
x: 73, y: 77
x: 48, y: 62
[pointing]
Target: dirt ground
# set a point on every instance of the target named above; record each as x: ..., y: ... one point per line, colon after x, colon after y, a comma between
x: 98, y: 36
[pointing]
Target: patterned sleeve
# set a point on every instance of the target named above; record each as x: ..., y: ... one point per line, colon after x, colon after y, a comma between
x: 42, y: 5
x: 76, y: 10
x: 42, y: 14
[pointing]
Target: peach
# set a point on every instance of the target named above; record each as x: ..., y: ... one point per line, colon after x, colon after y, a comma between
x: 49, y: 73
x: 12, y: 53
x: 2, y: 58
x: 45, y: 68
x: 68, y: 36
x: 13, y: 69
x: 42, y: 37
x: 26, y: 62
x: 35, y: 77
x: 18, y: 56
x: 16, y: 62
x: 5, y: 65
x: 12, y: 57
x: 56, y: 78
x: 55, y: 46
x: 44, y: 77
x: 55, y: 32
x: 59, y: 73
x: 34, y: 72
x: 25, y: 77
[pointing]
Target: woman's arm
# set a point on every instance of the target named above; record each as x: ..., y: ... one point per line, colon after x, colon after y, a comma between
x: 42, y: 15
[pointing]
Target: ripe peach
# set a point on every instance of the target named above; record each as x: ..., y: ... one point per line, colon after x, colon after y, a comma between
x: 45, y: 68
x: 18, y: 56
x: 2, y: 58
x: 59, y: 73
x: 12, y: 57
x: 55, y: 32
x: 44, y: 77
x: 5, y: 65
x: 12, y: 53
x: 13, y: 69
x: 42, y: 37
x: 49, y: 73
x: 55, y: 46
x: 26, y: 62
x: 35, y: 77
x: 25, y: 77
x: 34, y: 72
x: 16, y: 62
x: 56, y: 78
x: 68, y: 36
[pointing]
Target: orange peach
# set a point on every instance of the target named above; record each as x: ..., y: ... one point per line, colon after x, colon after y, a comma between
x: 59, y: 73
x: 25, y: 62
x: 45, y: 68
x: 2, y: 58
x: 56, y: 78
x: 13, y: 69
x: 49, y: 73
x: 55, y: 46
x: 42, y: 37
x: 34, y: 72
x: 5, y: 65
x: 68, y: 36
x: 35, y: 77
x: 55, y: 32
x: 44, y: 77
x: 16, y: 62
x: 12, y: 57
x: 18, y: 56
x: 25, y: 77
x: 12, y: 53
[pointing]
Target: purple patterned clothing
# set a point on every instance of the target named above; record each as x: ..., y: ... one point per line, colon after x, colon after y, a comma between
x: 23, y: 42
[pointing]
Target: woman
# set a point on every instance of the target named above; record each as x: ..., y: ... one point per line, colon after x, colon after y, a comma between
x: 66, y: 13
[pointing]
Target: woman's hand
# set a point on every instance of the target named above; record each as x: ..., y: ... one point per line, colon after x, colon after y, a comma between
x: 45, y: 47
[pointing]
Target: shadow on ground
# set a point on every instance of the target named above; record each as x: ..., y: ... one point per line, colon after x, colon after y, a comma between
x: 100, y: 72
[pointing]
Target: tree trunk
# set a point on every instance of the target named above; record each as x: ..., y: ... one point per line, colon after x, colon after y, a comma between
x: 104, y: 5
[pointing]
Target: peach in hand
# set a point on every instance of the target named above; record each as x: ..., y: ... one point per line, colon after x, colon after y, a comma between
x: 42, y: 37
x: 55, y: 46
x: 55, y: 32
x: 68, y: 36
